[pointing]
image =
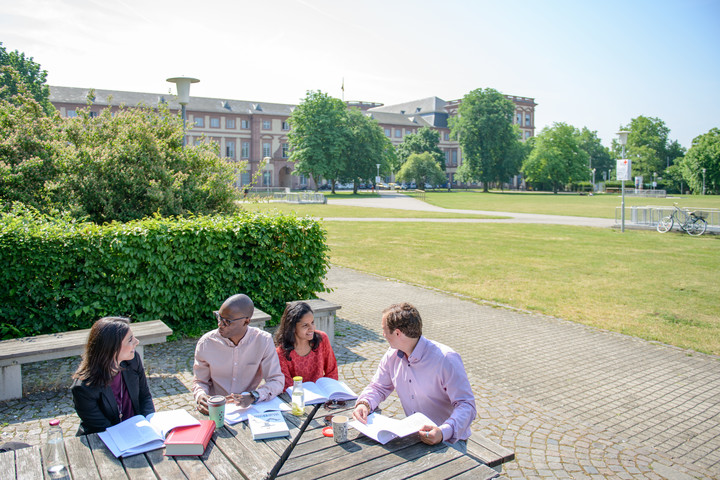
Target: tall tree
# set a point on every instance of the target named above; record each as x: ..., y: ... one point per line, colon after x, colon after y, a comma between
x: 319, y: 136
x: 649, y: 147
x: 485, y: 132
x: 599, y: 155
x: 29, y: 74
x: 422, y: 169
x: 704, y: 153
x: 365, y: 149
x: 556, y: 158
x: 425, y: 140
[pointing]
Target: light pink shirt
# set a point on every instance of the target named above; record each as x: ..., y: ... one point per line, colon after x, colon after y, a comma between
x: 431, y: 381
x: 222, y: 368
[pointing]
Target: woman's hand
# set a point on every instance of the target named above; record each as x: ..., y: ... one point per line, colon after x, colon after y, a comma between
x: 430, y: 435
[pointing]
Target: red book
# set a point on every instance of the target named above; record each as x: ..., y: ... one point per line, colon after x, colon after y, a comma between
x: 190, y: 440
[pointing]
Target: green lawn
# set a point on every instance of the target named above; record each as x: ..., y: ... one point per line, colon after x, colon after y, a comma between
x: 599, y: 205
x: 641, y: 283
x: 328, y: 211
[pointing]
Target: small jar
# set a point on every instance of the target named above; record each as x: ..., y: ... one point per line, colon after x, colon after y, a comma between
x: 298, y: 397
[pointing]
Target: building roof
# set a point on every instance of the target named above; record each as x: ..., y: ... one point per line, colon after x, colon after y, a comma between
x: 386, y: 118
x: 197, y: 104
x: 431, y: 110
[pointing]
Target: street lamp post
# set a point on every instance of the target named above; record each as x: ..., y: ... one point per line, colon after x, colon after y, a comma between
x: 654, y: 180
x: 183, y: 92
x: 593, y: 182
x: 622, y: 140
x: 704, y: 181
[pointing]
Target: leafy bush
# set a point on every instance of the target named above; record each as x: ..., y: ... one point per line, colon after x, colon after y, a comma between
x: 59, y: 274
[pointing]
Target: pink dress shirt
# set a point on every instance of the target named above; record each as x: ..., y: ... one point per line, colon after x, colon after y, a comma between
x: 222, y: 368
x: 431, y: 381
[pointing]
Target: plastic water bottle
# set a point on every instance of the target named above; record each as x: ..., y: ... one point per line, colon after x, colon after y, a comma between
x: 54, y: 453
x: 298, y: 397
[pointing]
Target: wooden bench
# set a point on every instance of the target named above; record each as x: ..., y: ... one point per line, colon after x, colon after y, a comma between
x: 259, y: 319
x: 491, y: 453
x: 15, y: 352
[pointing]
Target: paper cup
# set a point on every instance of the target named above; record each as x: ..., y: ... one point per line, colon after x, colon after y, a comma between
x: 340, y: 428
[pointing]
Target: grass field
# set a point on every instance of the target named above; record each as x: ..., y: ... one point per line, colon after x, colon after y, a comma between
x: 653, y: 286
x: 600, y: 205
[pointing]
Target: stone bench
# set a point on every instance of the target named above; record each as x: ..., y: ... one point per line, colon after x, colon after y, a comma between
x: 15, y: 352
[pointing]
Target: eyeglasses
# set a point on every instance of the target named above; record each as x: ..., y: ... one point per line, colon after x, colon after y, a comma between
x: 227, y: 321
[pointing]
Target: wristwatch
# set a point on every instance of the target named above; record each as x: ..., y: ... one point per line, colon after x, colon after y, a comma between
x: 255, y: 396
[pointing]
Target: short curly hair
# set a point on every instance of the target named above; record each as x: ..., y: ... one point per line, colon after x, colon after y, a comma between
x: 404, y: 317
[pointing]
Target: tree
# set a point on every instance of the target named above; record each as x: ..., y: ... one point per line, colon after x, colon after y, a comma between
x: 485, y: 132
x: 556, y: 158
x: 599, y: 155
x: 365, y: 149
x: 425, y: 140
x: 29, y: 74
x: 704, y: 153
x: 319, y: 136
x: 648, y: 146
x: 422, y: 169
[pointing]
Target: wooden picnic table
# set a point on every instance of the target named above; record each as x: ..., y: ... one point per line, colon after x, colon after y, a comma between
x: 232, y: 454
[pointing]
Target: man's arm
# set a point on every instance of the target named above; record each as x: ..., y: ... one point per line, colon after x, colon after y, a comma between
x: 378, y: 390
x: 201, y: 380
x: 461, y: 396
x: 272, y: 374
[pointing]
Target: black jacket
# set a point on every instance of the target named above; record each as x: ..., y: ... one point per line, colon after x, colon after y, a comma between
x: 97, y: 407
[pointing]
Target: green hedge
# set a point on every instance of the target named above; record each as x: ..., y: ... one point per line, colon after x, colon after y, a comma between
x: 61, y: 275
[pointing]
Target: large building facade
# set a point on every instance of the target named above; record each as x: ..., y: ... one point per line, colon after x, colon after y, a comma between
x: 251, y: 131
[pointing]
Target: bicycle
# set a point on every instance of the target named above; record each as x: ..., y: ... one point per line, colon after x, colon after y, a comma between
x: 692, y: 223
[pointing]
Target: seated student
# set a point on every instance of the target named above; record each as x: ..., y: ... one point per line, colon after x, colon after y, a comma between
x: 234, y: 358
x: 110, y: 385
x: 302, y: 350
x: 428, y: 376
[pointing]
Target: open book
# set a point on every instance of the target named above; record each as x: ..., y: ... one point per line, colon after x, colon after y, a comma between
x: 235, y: 413
x: 141, y: 434
x: 383, y: 429
x: 268, y: 425
x: 324, y: 389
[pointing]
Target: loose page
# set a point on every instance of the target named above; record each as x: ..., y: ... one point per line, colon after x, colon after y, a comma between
x: 383, y: 429
x: 235, y: 413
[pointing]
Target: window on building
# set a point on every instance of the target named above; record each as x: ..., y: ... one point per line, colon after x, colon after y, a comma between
x: 199, y: 122
x: 303, y: 181
x: 408, y: 131
x: 527, y: 119
x: 71, y: 114
x: 266, y: 150
x: 285, y: 150
x: 387, y: 132
x: 230, y: 149
x: 245, y: 152
x: 447, y: 157
x: 453, y: 162
x: 527, y: 134
x: 244, y: 124
x: 229, y: 123
x: 267, y: 178
x: 285, y: 126
x: 214, y: 122
x: 267, y: 125
x: 93, y: 114
x: 398, y: 133
x: 244, y: 178
x: 446, y: 136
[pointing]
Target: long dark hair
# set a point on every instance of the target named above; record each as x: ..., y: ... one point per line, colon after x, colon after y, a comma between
x: 98, y: 364
x: 285, y: 335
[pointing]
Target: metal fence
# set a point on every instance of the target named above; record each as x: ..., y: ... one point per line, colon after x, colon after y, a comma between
x: 299, y: 197
x: 650, y: 215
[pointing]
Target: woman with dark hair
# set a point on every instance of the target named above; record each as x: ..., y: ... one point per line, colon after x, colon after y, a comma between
x: 303, y: 351
x: 110, y: 385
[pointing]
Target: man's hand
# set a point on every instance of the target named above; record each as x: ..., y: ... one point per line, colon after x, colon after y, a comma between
x: 430, y: 435
x: 243, y: 400
x: 361, y: 413
x: 202, y: 404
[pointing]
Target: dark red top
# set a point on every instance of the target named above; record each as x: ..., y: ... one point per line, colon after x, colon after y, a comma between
x: 316, y: 364
x: 122, y: 397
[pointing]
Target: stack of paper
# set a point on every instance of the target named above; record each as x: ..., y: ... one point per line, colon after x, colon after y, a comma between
x: 383, y: 429
x: 234, y: 413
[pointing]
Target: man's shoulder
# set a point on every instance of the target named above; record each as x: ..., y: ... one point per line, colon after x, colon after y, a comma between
x: 440, y: 349
x: 254, y: 332
x: 209, y: 335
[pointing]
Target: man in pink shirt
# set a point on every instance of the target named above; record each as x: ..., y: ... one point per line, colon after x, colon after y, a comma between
x: 429, y: 378
x: 233, y: 359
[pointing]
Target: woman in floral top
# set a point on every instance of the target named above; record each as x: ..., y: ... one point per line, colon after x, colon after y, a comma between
x: 303, y: 351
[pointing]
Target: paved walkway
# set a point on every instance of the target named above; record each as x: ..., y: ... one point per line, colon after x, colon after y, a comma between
x: 571, y: 401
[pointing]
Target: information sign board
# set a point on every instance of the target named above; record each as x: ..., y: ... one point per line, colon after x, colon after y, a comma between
x: 623, y: 169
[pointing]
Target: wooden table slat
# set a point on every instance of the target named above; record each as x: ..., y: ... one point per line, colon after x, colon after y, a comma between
x: 218, y: 464
x: 479, y: 472
x: 28, y: 464
x: 80, y: 458
x: 165, y: 468
x: 488, y: 451
x: 109, y: 467
x: 454, y: 468
x: 7, y: 465
x: 193, y: 469
x: 137, y: 467
x: 253, y: 459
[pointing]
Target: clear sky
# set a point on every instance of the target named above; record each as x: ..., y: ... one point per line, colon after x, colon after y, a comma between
x: 586, y: 62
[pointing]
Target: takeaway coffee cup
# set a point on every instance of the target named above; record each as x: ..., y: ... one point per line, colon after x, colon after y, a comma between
x: 216, y: 408
x: 340, y: 428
